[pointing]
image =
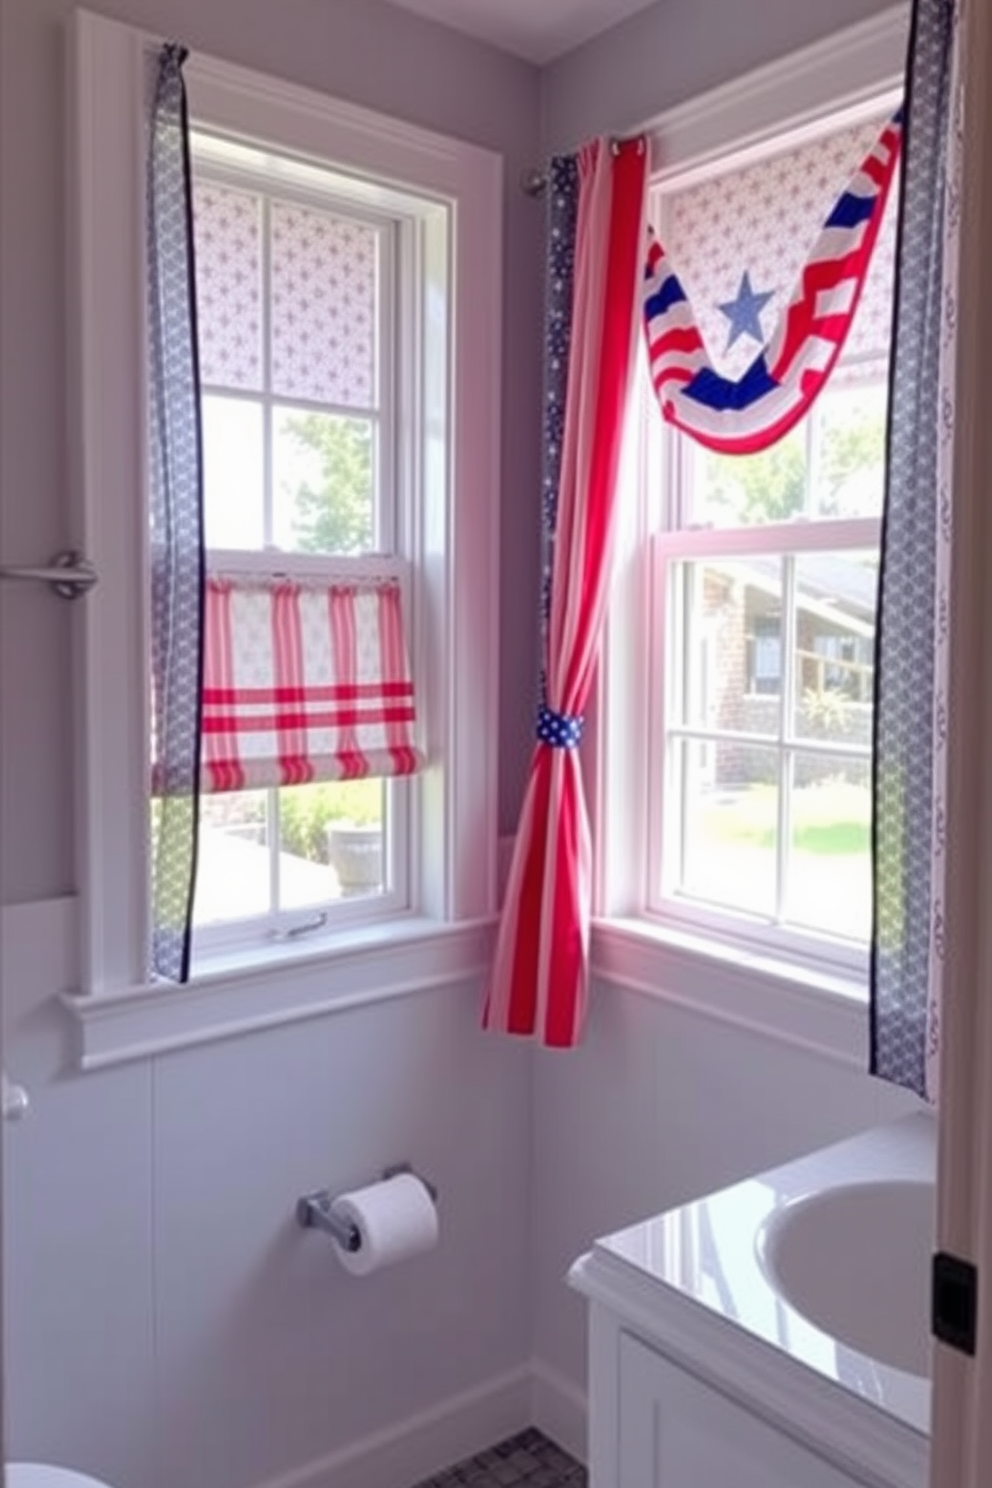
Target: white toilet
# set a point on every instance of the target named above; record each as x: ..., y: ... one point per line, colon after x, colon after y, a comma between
x: 40, y: 1475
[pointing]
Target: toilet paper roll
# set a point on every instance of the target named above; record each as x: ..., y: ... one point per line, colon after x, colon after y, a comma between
x: 395, y: 1219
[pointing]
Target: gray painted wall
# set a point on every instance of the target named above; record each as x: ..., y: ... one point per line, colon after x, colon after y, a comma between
x: 167, y: 1324
x: 171, y: 1328
x: 673, y: 51
x: 361, y: 50
x: 661, y: 1105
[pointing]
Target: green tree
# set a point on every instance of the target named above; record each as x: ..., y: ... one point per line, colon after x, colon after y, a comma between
x: 853, y: 456
x: 332, y: 489
x: 769, y: 487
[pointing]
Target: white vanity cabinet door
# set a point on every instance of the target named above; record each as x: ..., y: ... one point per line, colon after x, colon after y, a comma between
x: 676, y: 1432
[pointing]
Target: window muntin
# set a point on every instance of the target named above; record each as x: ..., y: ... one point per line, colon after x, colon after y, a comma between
x: 761, y: 584
x: 298, y: 340
x: 298, y: 333
x: 767, y: 733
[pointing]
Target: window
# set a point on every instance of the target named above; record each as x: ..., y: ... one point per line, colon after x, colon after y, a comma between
x: 318, y: 226
x: 742, y: 704
x: 303, y: 294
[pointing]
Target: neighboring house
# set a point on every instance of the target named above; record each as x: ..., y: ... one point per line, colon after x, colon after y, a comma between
x: 740, y: 665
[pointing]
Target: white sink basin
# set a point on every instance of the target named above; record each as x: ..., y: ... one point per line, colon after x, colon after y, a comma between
x: 855, y: 1260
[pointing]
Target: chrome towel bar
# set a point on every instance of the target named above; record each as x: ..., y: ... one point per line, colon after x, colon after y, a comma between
x: 69, y: 575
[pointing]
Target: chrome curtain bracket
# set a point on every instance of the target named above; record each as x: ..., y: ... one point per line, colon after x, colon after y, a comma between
x: 69, y: 575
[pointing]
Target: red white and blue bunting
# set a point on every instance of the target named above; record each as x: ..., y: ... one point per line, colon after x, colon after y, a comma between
x: 749, y: 414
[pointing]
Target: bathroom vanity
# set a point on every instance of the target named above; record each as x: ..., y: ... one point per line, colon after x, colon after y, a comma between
x: 725, y: 1352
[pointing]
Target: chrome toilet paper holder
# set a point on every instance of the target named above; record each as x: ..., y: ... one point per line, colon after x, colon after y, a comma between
x: 314, y: 1210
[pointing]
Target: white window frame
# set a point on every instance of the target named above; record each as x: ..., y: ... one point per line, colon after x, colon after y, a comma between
x: 448, y: 932
x: 396, y: 217
x: 736, y: 927
x: 793, y: 996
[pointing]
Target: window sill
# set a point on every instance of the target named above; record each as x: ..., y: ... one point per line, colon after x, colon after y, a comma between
x: 797, y: 1006
x: 280, y: 985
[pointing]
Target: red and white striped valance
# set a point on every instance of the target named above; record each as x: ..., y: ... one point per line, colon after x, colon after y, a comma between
x: 303, y: 682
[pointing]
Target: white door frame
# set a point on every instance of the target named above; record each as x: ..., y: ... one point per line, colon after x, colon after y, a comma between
x: 961, y: 1442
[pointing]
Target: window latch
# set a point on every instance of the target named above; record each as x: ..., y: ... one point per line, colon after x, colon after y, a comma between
x: 305, y: 927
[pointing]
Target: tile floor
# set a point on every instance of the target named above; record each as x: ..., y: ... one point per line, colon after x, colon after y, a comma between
x: 528, y: 1460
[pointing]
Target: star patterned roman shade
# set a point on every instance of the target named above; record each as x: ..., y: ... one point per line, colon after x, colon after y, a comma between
x: 321, y: 268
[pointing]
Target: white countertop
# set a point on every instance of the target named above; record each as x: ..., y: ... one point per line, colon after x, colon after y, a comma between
x: 707, y: 1251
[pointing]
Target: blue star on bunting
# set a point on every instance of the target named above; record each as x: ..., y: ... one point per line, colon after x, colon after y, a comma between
x: 744, y: 312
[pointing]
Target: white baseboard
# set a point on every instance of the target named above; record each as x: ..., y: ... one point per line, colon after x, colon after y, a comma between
x: 401, y: 1455
x: 558, y: 1408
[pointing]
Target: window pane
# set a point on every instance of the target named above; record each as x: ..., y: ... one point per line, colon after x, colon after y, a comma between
x: 732, y: 663
x: 835, y: 638
x: 324, y: 275
x: 332, y: 838
x: 324, y: 475
x: 228, y: 233
x: 233, y: 876
x: 829, y: 872
x: 728, y: 795
x: 744, y: 490
x: 849, y: 474
x: 233, y: 472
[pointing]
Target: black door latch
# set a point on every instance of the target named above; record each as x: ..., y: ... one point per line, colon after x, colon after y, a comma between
x: 954, y: 1317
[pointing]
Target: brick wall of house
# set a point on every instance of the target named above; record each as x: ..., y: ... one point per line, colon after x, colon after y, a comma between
x: 840, y: 715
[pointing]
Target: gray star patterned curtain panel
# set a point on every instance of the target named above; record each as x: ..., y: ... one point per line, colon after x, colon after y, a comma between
x: 176, y: 527
x: 911, y: 696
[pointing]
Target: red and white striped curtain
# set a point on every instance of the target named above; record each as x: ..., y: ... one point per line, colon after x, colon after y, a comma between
x: 304, y: 682
x: 595, y: 248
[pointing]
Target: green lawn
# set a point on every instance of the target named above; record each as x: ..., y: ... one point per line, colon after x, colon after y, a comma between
x: 831, y: 818
x: 734, y: 861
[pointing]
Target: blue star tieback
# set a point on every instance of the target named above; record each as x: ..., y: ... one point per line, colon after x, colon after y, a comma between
x: 560, y: 730
x: 744, y: 312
